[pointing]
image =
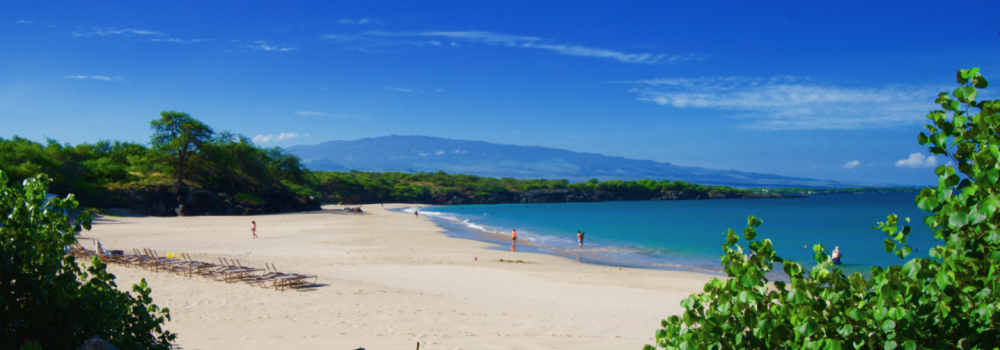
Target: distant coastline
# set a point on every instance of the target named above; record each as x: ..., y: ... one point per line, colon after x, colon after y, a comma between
x: 578, y: 196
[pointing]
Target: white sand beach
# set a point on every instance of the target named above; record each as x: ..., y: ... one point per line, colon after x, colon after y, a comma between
x: 388, y: 280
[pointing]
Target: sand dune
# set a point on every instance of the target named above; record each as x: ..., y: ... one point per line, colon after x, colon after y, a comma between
x: 388, y: 280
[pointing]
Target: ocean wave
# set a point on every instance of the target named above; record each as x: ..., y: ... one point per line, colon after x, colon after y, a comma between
x: 561, y: 245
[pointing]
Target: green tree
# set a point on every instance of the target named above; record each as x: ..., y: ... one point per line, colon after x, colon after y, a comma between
x: 180, y: 138
x: 46, y: 297
x: 949, y: 301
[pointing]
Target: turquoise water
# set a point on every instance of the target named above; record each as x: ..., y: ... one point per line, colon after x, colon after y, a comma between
x: 689, y: 234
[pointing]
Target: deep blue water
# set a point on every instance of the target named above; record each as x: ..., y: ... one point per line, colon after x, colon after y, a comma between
x: 689, y: 234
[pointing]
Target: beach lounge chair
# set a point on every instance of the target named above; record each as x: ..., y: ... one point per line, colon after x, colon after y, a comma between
x: 267, y: 279
x: 185, y: 266
x: 81, y: 252
x: 291, y: 280
x: 110, y: 259
x: 231, y: 271
x: 241, y: 273
x: 158, y: 263
x: 138, y: 259
x: 209, y: 271
x: 191, y: 266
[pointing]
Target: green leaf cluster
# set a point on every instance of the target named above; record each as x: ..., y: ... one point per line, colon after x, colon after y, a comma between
x: 47, y: 299
x: 947, y: 301
x: 372, y: 187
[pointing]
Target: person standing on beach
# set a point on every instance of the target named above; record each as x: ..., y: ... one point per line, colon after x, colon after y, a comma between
x: 579, y: 239
x: 253, y: 229
x: 836, y: 255
x: 415, y: 213
x: 513, y: 237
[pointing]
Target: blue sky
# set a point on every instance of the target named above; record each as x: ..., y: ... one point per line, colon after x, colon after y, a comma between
x: 830, y: 91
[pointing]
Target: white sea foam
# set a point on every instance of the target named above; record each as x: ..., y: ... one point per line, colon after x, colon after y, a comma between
x: 559, y: 244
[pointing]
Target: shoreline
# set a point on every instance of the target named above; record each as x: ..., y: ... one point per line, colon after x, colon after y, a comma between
x: 464, y: 229
x: 388, y: 280
x: 495, y: 237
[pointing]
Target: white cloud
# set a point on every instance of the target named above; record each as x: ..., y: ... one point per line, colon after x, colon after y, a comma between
x: 141, y: 34
x: 47, y: 24
x: 918, y: 160
x: 311, y: 113
x: 95, y: 77
x: 179, y: 41
x: 852, y: 164
x: 116, y: 31
x: 262, y: 138
x: 381, y: 38
x: 458, y: 151
x: 356, y: 21
x: 439, y: 153
x: 785, y: 102
x: 264, y: 46
x: 283, y: 136
x: 399, y: 89
x: 286, y: 136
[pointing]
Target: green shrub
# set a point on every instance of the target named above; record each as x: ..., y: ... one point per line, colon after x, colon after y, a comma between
x: 46, y: 297
x: 948, y: 301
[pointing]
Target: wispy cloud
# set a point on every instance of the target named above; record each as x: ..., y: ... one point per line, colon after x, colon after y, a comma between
x: 139, y: 34
x: 852, y: 164
x: 116, y: 31
x: 918, y: 160
x: 47, y: 24
x: 399, y: 89
x: 264, y: 46
x: 180, y: 41
x: 268, y: 138
x: 359, y: 21
x: 785, y: 102
x: 312, y: 113
x: 432, y: 38
x: 94, y: 77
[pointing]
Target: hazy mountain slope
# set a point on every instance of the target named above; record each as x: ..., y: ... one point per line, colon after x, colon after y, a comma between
x: 431, y: 154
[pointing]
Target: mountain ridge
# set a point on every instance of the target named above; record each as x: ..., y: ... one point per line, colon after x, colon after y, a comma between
x: 431, y: 154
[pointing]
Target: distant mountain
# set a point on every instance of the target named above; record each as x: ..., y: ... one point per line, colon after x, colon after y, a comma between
x: 431, y: 154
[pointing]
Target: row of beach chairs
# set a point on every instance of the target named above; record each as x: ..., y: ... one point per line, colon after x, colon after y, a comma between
x: 227, y: 270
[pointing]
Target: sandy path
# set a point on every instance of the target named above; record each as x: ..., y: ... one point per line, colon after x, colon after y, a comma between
x: 387, y: 281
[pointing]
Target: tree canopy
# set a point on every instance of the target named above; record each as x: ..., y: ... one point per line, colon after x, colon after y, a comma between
x: 179, y: 138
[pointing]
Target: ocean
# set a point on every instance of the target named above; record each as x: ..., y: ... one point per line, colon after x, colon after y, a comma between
x: 689, y: 234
